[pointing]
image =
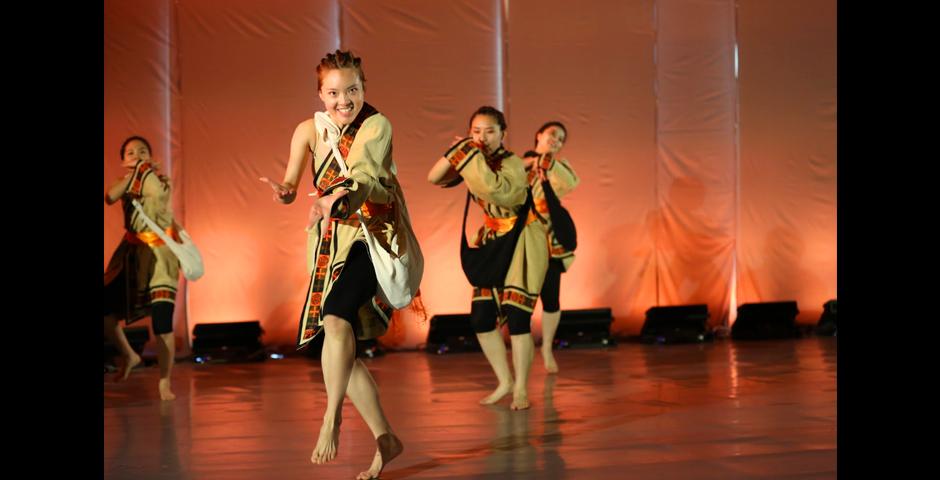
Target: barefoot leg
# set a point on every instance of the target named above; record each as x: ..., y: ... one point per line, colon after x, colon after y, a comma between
x: 495, y: 351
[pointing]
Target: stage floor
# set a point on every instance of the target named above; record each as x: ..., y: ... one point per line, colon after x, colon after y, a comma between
x: 722, y: 410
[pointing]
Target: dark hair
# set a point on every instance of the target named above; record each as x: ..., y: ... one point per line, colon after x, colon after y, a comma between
x: 338, y: 60
x: 487, y: 110
x: 553, y: 123
x: 131, y: 139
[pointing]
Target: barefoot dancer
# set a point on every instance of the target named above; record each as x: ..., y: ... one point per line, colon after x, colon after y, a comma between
x: 544, y: 163
x: 497, y: 181
x: 342, y: 297
x: 143, y: 274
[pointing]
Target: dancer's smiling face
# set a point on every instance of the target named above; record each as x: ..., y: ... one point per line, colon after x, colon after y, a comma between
x: 342, y: 94
x: 550, y: 140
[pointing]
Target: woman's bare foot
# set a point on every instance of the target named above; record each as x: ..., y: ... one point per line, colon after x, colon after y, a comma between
x: 549, y: 360
x: 500, y: 392
x: 129, y: 364
x: 520, y: 400
x: 164, y: 387
x: 327, y: 444
x: 388, y: 446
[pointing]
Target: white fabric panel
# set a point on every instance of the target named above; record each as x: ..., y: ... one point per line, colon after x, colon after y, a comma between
x: 591, y: 67
x: 695, y: 132
x: 669, y: 197
x: 787, y: 239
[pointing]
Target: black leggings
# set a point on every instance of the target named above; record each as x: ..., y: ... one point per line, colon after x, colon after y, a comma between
x: 115, y: 303
x: 161, y: 317
x: 551, y: 289
x: 355, y: 286
x: 483, y: 318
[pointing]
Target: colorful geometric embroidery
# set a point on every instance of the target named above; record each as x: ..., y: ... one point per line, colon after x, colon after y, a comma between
x: 162, y: 295
x: 319, y: 281
x: 482, y: 293
x: 527, y: 302
x: 547, y: 161
x: 331, y: 175
x: 463, y: 154
x: 137, y: 183
x: 495, y: 161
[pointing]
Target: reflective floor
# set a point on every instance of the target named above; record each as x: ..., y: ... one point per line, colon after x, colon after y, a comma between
x: 723, y: 410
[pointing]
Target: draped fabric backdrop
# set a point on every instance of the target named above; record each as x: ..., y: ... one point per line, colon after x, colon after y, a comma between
x: 704, y: 133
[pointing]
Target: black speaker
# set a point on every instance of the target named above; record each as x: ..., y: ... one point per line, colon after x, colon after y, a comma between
x: 451, y: 333
x: 676, y: 324
x: 136, y: 337
x: 827, y: 321
x: 765, y: 321
x: 587, y: 328
x: 228, y: 342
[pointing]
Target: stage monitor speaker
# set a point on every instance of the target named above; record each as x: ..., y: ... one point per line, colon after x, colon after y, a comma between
x: 765, y: 321
x: 827, y: 321
x: 676, y: 324
x: 228, y: 342
x: 586, y: 328
x: 451, y: 333
x: 136, y: 337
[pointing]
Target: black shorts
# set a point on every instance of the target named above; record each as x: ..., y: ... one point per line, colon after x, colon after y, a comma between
x: 551, y: 288
x: 483, y: 315
x: 355, y: 286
